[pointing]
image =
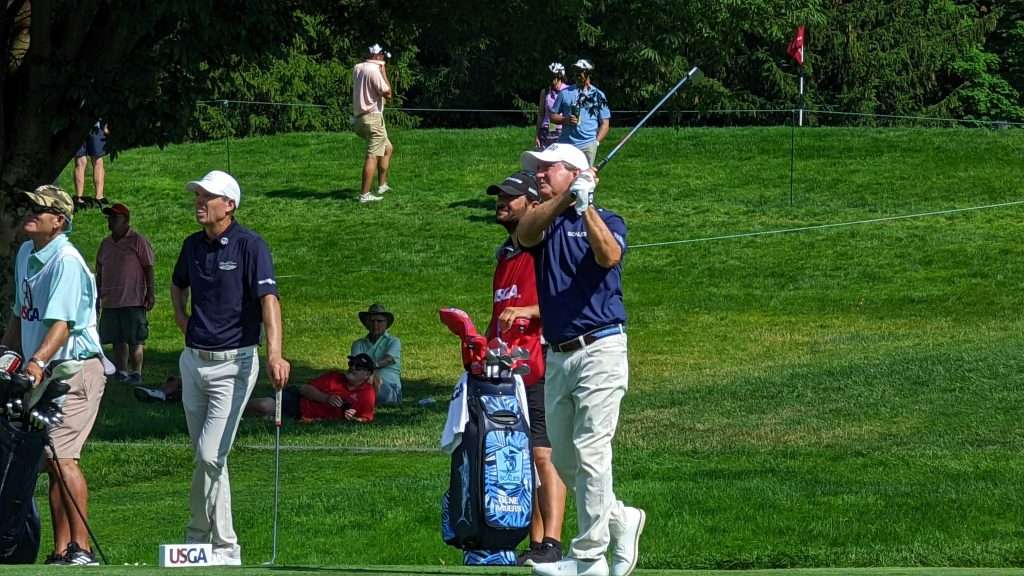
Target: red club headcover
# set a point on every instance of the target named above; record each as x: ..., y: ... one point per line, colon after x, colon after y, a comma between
x: 458, y: 322
x: 474, y: 346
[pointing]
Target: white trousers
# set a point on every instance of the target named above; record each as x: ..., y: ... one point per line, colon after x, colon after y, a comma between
x: 214, y: 393
x: 583, y: 390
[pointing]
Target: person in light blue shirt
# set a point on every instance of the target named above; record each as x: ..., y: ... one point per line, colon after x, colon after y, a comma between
x: 583, y: 111
x: 386, y: 351
x: 54, y: 318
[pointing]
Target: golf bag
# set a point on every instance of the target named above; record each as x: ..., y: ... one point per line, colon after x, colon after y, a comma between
x: 21, y: 453
x: 26, y: 414
x: 487, y: 509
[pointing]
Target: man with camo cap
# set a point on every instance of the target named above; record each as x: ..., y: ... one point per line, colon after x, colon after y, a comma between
x: 54, y: 318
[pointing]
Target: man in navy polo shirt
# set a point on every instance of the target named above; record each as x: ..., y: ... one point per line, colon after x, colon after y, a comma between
x: 228, y: 272
x: 580, y: 249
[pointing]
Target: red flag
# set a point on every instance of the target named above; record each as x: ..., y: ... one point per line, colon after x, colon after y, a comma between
x: 796, y: 46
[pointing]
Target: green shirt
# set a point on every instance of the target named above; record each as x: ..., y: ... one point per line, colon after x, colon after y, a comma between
x: 386, y: 345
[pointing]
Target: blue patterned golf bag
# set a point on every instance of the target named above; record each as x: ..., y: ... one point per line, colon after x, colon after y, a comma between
x: 487, y: 509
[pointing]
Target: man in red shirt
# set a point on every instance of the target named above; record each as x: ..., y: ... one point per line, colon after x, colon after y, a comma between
x: 330, y: 396
x: 124, y: 278
x: 515, y: 296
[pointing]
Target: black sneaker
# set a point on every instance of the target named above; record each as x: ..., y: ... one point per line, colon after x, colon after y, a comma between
x: 525, y: 555
x: 75, y: 556
x: 102, y: 202
x: 80, y: 204
x: 56, y: 559
x: 547, y: 552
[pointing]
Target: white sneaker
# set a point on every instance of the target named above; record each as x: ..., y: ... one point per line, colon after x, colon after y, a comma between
x: 383, y: 189
x: 229, y: 556
x: 364, y: 198
x: 626, y: 537
x: 573, y: 567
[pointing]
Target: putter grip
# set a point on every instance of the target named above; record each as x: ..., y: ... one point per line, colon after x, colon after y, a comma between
x: 277, y: 408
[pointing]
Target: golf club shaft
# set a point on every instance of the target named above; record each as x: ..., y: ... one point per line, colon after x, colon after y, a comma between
x: 277, y: 470
x: 695, y: 74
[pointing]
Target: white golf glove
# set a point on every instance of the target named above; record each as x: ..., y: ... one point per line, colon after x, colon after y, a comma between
x: 582, y: 191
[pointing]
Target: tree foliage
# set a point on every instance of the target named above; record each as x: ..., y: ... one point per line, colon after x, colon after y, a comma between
x: 936, y: 57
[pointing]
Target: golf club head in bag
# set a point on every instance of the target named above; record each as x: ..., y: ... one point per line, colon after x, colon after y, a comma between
x: 17, y: 387
x: 54, y: 378
x: 10, y: 362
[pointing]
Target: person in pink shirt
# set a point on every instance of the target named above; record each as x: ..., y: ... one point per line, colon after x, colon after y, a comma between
x: 370, y: 87
x: 124, y: 280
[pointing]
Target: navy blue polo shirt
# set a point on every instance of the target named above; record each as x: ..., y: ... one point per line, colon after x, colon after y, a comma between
x: 227, y: 277
x: 576, y: 294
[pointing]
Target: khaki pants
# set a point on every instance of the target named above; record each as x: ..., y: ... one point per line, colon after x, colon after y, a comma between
x: 583, y: 390
x: 214, y: 393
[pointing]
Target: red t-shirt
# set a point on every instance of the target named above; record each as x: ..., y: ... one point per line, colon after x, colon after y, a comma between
x: 515, y: 284
x: 363, y: 399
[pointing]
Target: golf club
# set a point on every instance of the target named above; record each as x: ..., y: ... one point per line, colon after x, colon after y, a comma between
x: 694, y: 74
x: 277, y: 472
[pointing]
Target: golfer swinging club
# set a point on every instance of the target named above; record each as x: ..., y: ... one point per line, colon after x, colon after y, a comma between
x: 228, y: 271
x: 583, y: 318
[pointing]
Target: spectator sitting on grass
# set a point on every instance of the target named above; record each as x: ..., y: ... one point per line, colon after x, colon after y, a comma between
x: 331, y: 396
x: 386, y: 352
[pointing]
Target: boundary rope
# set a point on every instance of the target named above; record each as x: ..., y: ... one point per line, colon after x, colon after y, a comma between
x: 1001, y: 123
x: 284, y: 448
x: 824, y: 226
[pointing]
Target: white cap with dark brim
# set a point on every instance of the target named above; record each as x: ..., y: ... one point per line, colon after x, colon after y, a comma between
x: 559, y: 152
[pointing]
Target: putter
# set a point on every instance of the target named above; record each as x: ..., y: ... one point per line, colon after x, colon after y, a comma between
x: 693, y: 75
x: 277, y: 473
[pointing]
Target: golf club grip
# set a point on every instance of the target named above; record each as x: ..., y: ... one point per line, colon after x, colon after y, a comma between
x: 694, y: 73
x: 277, y: 408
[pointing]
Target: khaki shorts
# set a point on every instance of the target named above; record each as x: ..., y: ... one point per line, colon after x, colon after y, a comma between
x: 80, y: 408
x: 370, y: 127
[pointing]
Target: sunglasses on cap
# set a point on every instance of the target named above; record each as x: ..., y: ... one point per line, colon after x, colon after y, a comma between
x: 37, y: 209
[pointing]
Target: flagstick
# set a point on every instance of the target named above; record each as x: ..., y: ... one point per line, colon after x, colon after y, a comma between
x: 792, y: 156
x: 801, y: 117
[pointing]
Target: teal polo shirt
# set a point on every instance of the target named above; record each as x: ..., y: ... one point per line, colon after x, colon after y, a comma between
x: 71, y: 298
x: 386, y: 345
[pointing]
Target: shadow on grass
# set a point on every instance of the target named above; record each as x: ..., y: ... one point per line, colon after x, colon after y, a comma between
x: 477, y: 203
x: 123, y: 418
x: 307, y: 194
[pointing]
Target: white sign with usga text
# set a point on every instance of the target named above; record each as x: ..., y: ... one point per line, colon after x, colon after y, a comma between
x: 183, y: 555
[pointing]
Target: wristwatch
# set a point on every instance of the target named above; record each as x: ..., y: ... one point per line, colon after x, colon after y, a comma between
x: 38, y: 362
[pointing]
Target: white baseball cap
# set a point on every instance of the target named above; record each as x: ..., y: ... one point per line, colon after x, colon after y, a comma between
x: 555, y: 153
x: 219, y: 184
x: 583, y: 64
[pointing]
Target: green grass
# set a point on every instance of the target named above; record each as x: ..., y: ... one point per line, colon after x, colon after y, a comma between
x: 846, y: 397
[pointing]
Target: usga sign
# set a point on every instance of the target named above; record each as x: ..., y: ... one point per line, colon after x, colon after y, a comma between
x: 181, y: 555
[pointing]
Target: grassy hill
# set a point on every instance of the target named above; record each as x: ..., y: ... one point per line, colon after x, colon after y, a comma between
x: 841, y: 397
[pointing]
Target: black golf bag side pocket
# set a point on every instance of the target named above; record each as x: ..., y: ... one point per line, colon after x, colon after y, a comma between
x: 20, y: 455
x: 490, y: 497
